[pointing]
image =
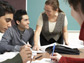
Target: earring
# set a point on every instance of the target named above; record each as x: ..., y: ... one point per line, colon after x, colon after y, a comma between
x: 56, y: 14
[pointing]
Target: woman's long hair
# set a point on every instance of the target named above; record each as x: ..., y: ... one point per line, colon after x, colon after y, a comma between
x: 54, y: 4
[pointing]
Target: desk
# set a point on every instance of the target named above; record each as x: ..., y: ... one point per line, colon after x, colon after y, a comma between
x: 76, y: 56
x: 44, y: 55
x: 47, y: 55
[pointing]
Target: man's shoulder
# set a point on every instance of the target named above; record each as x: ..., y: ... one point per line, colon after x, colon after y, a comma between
x: 11, y: 29
x: 30, y: 30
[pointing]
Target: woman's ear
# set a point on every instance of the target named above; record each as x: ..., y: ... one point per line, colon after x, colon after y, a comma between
x: 56, y: 12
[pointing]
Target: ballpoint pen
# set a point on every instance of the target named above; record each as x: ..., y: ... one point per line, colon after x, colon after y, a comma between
x: 30, y: 48
x: 38, y: 57
x: 53, y: 49
x: 25, y: 42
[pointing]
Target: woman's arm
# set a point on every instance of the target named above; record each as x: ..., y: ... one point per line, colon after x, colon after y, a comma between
x: 65, y: 35
x: 37, y: 32
x: 36, y: 37
x: 65, y: 32
x: 71, y: 60
x: 61, y: 59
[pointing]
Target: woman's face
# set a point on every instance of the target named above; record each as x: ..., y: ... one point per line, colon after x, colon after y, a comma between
x: 49, y: 11
x: 78, y: 15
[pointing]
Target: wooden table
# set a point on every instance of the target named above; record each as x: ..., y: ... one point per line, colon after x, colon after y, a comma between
x: 76, y: 56
x: 47, y: 55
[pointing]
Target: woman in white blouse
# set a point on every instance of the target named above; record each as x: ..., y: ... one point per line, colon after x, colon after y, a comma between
x: 51, y: 26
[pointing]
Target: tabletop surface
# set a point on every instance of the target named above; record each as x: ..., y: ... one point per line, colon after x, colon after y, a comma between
x: 47, y: 55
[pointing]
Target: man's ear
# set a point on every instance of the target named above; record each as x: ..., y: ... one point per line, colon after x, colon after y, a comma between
x: 18, y: 22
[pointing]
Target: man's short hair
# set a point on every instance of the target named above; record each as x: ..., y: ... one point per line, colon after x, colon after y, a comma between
x: 18, y: 15
x: 5, y: 7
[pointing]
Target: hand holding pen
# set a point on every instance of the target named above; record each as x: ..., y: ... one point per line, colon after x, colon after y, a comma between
x: 25, y: 44
x: 53, y: 49
x: 26, y: 54
x: 55, y: 56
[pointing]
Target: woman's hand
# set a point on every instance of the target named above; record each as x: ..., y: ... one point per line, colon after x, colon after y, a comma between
x: 56, y: 57
x: 36, y: 47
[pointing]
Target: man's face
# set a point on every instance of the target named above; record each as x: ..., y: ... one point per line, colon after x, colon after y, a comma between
x: 5, y: 22
x: 24, y: 24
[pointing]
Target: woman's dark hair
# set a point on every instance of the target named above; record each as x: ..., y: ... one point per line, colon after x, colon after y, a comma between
x: 5, y: 7
x: 75, y: 4
x: 54, y: 4
x: 18, y: 15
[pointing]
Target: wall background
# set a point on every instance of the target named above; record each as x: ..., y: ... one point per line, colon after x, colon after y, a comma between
x: 17, y: 4
x: 35, y: 7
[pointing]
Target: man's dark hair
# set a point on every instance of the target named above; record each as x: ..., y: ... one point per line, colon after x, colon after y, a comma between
x: 75, y: 4
x: 5, y: 7
x: 18, y: 15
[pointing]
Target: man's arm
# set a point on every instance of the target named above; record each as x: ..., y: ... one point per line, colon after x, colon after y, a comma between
x: 6, y: 42
x: 24, y: 56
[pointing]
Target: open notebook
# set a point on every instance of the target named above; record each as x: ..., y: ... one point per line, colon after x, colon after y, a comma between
x: 70, y: 46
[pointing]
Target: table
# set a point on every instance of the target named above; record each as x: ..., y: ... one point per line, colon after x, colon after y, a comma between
x: 76, y: 56
x: 47, y: 55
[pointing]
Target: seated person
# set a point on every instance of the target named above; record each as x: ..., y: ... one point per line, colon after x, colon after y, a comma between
x: 6, y: 16
x: 18, y: 35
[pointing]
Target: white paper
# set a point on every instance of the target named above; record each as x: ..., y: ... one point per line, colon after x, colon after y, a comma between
x: 39, y: 51
x: 44, y: 60
x: 44, y: 47
x: 7, y: 55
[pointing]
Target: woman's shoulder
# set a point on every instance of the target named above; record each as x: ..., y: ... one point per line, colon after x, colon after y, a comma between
x: 43, y: 13
x: 62, y: 13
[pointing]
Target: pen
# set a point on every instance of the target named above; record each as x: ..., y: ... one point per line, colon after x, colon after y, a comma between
x: 53, y: 49
x: 23, y: 42
x: 38, y: 57
x: 30, y: 48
